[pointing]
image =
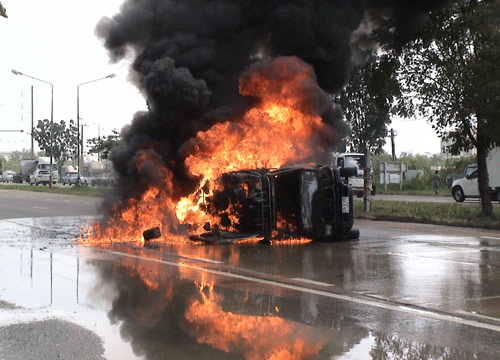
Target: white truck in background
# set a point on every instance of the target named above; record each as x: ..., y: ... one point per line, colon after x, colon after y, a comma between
x: 98, y: 173
x: 467, y: 187
x: 353, y: 160
x: 40, y: 166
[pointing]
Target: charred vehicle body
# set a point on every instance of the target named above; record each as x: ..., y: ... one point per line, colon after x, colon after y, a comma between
x: 311, y: 202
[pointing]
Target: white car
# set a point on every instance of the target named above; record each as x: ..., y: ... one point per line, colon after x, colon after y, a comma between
x: 72, y: 178
x: 41, y: 177
x: 8, y: 176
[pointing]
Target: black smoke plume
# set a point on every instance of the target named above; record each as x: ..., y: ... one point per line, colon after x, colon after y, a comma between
x: 189, y: 55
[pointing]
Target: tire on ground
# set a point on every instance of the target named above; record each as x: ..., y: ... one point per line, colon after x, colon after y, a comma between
x: 458, y: 194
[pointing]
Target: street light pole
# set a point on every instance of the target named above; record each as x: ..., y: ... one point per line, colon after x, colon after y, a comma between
x: 15, y: 72
x: 80, y: 155
x: 98, y: 136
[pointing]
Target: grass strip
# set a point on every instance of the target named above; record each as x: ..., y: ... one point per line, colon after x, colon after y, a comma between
x: 442, y: 192
x: 454, y: 214
x: 71, y: 190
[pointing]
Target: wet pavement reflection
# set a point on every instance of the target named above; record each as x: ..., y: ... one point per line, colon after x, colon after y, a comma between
x: 412, y: 299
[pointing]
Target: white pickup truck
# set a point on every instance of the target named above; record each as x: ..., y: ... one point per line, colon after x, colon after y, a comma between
x: 467, y: 187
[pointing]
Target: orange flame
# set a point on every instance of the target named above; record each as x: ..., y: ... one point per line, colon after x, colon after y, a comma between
x: 255, y: 337
x: 283, y: 128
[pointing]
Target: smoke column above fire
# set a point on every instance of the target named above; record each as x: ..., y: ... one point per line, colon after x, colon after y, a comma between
x: 193, y: 60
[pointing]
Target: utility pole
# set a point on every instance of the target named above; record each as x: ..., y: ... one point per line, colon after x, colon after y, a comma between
x: 81, y: 150
x: 393, y: 144
x: 32, y: 142
x: 15, y: 72
x: 367, y: 195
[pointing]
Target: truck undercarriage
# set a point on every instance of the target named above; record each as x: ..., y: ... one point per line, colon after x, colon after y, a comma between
x: 310, y: 202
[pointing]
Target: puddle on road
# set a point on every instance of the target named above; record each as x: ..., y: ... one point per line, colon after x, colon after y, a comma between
x: 143, y: 309
x: 147, y: 309
x: 46, y: 285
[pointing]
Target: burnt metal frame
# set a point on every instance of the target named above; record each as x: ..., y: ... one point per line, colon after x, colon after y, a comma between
x: 332, y: 184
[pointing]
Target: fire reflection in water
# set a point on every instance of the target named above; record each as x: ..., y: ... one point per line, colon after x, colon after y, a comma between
x: 256, y: 337
x: 193, y: 318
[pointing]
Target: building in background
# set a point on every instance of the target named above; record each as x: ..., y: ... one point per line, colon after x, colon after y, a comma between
x: 445, y: 146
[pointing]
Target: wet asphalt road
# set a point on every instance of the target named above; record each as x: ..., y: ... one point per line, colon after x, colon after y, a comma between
x: 402, y: 291
x: 22, y: 204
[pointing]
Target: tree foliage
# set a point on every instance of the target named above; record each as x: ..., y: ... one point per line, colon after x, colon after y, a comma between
x: 104, y: 145
x: 368, y: 100
x: 451, y: 76
x: 63, y: 137
x: 14, y: 162
x: 3, y: 11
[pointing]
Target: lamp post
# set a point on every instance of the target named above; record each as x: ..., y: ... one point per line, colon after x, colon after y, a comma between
x: 98, y: 136
x: 80, y: 161
x: 15, y: 72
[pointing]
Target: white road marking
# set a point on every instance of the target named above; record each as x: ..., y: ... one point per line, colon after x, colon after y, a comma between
x: 491, y: 237
x: 451, y: 251
x: 477, y: 315
x: 39, y: 207
x: 379, y: 304
x: 205, y: 260
x: 314, y: 282
x: 467, y: 263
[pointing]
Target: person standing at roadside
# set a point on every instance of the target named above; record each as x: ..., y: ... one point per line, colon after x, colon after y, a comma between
x: 436, y: 180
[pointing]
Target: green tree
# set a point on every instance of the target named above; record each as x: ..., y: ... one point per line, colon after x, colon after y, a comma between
x: 368, y: 100
x: 62, y: 136
x: 451, y: 75
x: 3, y: 11
x: 14, y: 162
x: 104, y: 145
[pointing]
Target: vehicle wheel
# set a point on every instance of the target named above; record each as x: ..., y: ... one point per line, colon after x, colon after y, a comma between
x: 85, y: 183
x: 498, y: 195
x: 353, y: 234
x: 36, y: 183
x: 458, y: 194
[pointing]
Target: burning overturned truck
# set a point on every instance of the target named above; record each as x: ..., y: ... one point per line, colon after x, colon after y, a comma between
x: 234, y: 85
x: 292, y: 202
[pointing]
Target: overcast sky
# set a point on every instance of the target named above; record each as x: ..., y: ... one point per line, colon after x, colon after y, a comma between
x: 54, y: 40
